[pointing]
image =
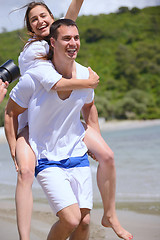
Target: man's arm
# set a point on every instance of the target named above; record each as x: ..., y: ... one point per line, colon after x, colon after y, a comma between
x: 74, y: 9
x: 90, y: 116
x: 11, y: 124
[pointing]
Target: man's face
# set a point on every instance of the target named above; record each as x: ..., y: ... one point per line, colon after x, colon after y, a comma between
x: 67, y: 44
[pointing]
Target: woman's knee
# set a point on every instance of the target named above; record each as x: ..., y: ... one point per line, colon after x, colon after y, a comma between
x: 107, y: 157
x: 26, y: 174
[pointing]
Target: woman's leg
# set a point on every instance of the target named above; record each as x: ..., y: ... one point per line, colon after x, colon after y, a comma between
x: 24, y: 201
x: 106, y: 180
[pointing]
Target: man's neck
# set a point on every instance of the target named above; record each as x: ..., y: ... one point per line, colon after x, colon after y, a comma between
x: 66, y: 68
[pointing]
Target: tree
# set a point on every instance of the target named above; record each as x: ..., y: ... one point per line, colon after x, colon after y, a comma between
x: 123, y: 10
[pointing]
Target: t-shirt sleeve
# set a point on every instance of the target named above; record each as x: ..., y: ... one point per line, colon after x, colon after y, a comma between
x: 40, y: 69
x: 45, y: 73
x: 83, y: 73
x: 90, y: 96
x: 23, y: 91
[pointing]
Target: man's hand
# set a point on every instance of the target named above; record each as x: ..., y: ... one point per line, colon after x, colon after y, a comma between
x: 92, y: 156
x: 94, y: 78
x: 15, y: 163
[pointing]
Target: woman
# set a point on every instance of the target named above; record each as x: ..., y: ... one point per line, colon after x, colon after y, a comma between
x: 39, y: 19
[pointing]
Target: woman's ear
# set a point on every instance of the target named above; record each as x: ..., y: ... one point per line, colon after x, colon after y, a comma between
x: 52, y: 42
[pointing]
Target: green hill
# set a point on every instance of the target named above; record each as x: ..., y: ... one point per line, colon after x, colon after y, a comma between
x: 124, y: 49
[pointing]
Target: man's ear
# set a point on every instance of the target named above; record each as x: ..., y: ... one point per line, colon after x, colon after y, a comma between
x: 52, y: 41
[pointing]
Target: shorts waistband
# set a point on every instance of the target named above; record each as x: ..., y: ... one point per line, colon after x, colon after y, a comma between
x: 81, y: 161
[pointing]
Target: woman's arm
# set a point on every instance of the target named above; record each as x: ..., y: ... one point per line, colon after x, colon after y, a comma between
x: 74, y: 9
x: 45, y: 72
x: 70, y: 84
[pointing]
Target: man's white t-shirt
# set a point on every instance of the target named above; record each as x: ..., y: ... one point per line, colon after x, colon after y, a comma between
x: 55, y: 129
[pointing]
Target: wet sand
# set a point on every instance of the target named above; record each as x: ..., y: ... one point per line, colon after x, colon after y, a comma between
x: 141, y: 225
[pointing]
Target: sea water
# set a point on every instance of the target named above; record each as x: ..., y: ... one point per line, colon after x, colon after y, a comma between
x: 137, y: 157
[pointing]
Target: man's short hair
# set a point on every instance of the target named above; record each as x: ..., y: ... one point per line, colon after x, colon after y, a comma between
x: 58, y: 23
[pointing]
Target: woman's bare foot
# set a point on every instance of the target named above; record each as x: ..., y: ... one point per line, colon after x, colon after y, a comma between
x: 113, y: 223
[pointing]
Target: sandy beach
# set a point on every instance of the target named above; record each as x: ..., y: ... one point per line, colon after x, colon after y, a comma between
x: 126, y: 124
x: 142, y: 226
x: 141, y: 219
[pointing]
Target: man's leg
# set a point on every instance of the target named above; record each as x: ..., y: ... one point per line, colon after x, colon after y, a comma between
x: 83, y: 230
x: 69, y: 219
x: 106, y: 180
x: 24, y: 201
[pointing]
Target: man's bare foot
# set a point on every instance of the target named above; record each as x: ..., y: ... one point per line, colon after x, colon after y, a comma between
x: 113, y: 223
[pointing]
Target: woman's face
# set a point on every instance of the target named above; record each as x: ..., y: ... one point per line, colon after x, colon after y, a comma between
x: 40, y: 21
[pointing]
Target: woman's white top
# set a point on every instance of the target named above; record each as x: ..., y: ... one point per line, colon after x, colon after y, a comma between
x: 42, y: 70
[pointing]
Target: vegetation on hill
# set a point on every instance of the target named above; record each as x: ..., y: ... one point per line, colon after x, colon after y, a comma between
x: 123, y: 48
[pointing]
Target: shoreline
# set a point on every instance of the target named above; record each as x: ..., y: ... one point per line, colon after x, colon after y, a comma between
x: 109, y: 126
x: 142, y: 226
x: 126, y: 124
x: 143, y: 207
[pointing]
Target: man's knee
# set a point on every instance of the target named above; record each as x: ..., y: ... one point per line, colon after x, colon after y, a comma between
x: 73, y: 223
x: 85, y: 222
x: 70, y: 219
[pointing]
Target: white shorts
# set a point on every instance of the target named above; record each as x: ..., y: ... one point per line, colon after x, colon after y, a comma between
x: 64, y: 187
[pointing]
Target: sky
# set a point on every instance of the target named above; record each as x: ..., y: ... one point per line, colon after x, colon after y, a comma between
x: 15, y: 20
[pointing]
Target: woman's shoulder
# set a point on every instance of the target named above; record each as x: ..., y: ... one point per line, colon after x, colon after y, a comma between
x: 32, y: 45
x: 33, y: 49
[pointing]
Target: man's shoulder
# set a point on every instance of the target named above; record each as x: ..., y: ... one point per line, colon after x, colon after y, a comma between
x: 26, y: 81
x: 78, y: 65
x: 82, y: 71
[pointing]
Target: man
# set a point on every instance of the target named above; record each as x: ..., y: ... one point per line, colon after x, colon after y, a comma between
x: 3, y: 89
x: 56, y: 136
